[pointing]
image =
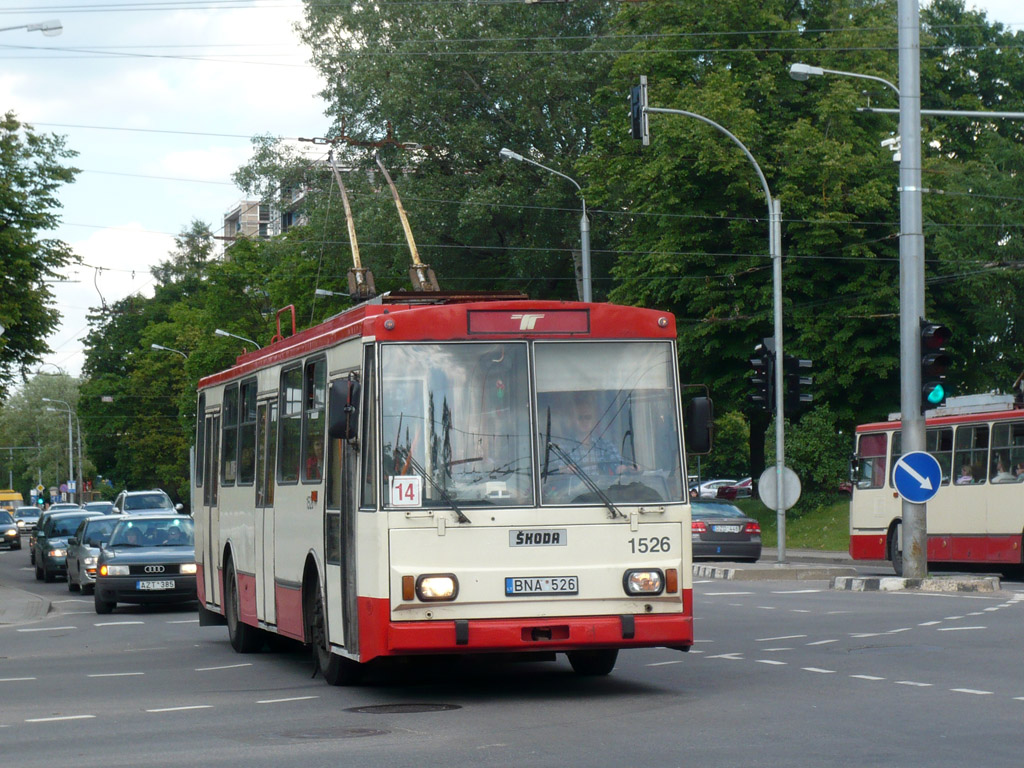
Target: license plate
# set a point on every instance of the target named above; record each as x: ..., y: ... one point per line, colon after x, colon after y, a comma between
x: 541, y: 585
x: 154, y: 585
x: 726, y: 528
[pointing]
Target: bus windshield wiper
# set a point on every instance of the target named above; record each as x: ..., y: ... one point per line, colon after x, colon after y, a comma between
x: 444, y: 494
x: 586, y: 479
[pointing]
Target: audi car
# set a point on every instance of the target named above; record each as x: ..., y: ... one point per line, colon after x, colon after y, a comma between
x: 148, y: 559
x: 722, y: 532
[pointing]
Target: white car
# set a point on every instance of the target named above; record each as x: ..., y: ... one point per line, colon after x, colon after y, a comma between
x: 709, y: 488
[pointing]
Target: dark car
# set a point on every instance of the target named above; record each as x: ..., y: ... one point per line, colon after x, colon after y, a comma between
x: 149, y: 559
x: 84, y: 551
x: 51, y: 548
x: 722, y: 532
x: 99, y: 507
x: 10, y: 534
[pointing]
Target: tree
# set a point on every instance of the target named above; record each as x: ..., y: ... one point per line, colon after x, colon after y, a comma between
x: 31, y: 172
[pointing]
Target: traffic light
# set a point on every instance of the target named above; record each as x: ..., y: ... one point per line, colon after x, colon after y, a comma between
x: 934, y: 364
x: 763, y: 380
x: 796, y: 382
x: 637, y: 112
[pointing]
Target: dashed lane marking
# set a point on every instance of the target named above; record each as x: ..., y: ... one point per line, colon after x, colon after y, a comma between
x: 872, y: 678
x: 663, y: 663
x: 823, y: 642
x: 914, y: 684
x: 780, y: 637
x: 773, y: 662
x: 971, y: 690
x: 958, y: 629
x: 795, y: 591
x: 282, y: 701
x: 116, y: 674
x: 819, y: 670
x: 725, y: 594
x: 115, y: 623
x: 16, y: 679
x: 226, y: 666
x: 58, y: 719
x: 182, y: 709
x: 47, y: 629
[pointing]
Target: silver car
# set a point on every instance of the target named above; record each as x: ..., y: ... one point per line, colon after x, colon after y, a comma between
x: 84, y: 549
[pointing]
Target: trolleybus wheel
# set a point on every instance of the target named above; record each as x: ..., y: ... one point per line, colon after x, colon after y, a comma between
x: 245, y: 638
x: 593, y: 663
x: 337, y: 670
x: 895, y: 548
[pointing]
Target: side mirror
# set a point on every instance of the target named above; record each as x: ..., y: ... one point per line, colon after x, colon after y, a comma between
x: 72, y: 542
x: 699, y: 425
x: 179, y: 508
x: 344, y: 411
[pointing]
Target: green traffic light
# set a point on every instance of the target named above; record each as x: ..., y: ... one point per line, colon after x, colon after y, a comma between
x: 937, y: 394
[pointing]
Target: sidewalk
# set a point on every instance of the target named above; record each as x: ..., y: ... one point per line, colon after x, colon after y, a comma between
x: 18, y: 606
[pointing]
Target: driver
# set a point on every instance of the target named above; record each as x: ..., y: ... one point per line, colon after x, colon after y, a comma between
x: 590, y: 450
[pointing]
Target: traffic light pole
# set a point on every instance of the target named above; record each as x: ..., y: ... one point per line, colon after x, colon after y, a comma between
x: 915, y: 539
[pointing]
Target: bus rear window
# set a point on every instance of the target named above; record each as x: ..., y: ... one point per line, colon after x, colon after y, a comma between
x: 871, y: 460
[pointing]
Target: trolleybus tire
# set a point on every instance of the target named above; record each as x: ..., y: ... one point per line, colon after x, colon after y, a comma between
x: 244, y: 638
x: 895, y: 553
x: 337, y: 670
x: 593, y: 663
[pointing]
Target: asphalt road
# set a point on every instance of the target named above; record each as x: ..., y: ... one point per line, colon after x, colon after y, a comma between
x: 783, y: 674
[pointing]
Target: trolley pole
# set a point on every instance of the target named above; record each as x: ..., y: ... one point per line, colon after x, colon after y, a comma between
x: 915, y: 525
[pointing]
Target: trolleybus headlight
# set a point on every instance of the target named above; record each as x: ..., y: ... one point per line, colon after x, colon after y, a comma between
x: 643, y: 582
x: 113, y: 570
x: 434, y: 587
x: 188, y: 568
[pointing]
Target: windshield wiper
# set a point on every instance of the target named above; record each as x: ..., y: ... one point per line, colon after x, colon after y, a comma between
x: 587, y: 480
x: 444, y: 495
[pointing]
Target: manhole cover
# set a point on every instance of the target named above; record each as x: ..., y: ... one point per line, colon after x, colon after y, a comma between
x: 403, y: 709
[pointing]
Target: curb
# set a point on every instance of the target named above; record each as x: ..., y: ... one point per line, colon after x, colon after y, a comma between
x: 897, y: 584
x: 774, y: 572
x: 18, y: 606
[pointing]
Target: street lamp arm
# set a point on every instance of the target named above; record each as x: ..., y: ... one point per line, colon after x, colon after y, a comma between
x: 800, y: 71
x: 50, y: 28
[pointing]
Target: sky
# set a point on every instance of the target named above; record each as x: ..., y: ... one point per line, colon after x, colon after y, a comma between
x: 160, y: 99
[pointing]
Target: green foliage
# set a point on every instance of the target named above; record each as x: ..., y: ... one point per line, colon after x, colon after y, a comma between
x: 730, y: 456
x: 31, y: 172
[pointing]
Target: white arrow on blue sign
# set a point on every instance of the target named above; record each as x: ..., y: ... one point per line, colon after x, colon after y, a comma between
x: 917, y: 476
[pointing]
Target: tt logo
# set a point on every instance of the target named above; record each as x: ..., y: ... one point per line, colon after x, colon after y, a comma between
x: 527, y: 322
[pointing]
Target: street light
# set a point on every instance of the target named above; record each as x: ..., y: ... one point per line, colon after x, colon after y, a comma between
x: 325, y: 292
x: 168, y: 349
x: 222, y: 332
x: 50, y: 28
x: 508, y: 154
x: 71, y: 464
x: 802, y: 72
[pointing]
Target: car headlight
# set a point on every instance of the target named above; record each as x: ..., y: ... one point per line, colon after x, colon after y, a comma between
x: 11, y: 532
x: 434, y: 587
x: 113, y: 570
x: 649, y: 581
x: 57, y: 553
x: 89, y: 561
x: 188, y: 568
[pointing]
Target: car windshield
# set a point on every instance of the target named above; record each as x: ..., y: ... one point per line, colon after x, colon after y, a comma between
x: 715, y: 510
x: 156, y: 532
x: 98, y: 531
x: 137, y: 501
x: 64, y: 526
x: 5, y: 517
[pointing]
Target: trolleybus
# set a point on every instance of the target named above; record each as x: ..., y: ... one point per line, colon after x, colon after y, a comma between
x: 430, y: 474
x: 977, y: 513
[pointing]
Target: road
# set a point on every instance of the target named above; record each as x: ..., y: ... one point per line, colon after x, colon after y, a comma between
x: 783, y: 673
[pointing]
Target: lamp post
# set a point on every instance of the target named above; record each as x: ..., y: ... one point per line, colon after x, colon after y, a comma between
x: 162, y: 348
x: 222, y: 332
x: 50, y: 28
x: 71, y: 450
x: 508, y: 154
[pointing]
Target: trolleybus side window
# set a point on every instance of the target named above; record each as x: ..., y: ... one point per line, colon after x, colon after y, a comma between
x: 938, y: 441
x: 1007, y: 452
x: 266, y: 449
x: 314, y: 405
x: 290, y: 427
x: 369, y: 442
x: 871, y: 460
x: 247, y: 433
x: 200, y: 468
x: 212, y: 453
x: 229, y: 440
x: 971, y: 455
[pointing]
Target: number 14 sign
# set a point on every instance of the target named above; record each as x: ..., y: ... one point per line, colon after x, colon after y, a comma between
x: 406, y: 491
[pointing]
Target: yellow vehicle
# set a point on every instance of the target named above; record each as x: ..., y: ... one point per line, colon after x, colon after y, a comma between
x: 11, y: 500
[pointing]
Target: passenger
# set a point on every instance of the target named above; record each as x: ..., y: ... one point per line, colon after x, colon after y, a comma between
x: 1001, y: 475
x: 1018, y: 472
x: 314, y: 461
x: 966, y: 475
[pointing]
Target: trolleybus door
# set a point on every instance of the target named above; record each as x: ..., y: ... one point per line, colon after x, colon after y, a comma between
x: 266, y: 455
x: 339, y: 527
x: 210, y: 512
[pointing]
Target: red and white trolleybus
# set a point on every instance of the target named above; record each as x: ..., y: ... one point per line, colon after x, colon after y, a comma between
x: 424, y: 474
x: 977, y: 513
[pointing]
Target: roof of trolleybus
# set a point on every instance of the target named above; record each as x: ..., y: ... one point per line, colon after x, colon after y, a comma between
x: 421, y: 317
x: 938, y: 421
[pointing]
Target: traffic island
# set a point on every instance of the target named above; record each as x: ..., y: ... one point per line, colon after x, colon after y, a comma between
x: 773, y: 572
x: 934, y: 584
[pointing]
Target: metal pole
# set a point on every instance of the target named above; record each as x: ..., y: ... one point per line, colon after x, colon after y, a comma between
x: 588, y: 295
x: 780, y: 427
x: 71, y: 457
x: 78, y: 481
x: 915, y: 536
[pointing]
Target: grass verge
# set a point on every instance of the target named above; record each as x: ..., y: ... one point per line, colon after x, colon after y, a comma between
x: 825, y: 527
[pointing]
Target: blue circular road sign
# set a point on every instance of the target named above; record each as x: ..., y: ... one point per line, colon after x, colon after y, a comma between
x: 917, y: 476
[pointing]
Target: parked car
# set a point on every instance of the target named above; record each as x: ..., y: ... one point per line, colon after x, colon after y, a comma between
x: 84, y: 550
x: 10, y: 535
x: 740, y: 490
x: 132, y: 502
x: 26, y: 518
x: 51, y: 548
x: 149, y: 559
x: 722, y: 532
x: 709, y: 488
x: 99, y: 507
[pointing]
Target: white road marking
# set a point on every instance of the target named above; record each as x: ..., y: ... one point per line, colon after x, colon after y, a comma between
x: 865, y: 634
x: 952, y: 618
x: 729, y: 656
x: 726, y: 594
x: 56, y: 719
x: 867, y: 677
x: 767, y: 607
x: 182, y: 709
x: 772, y: 661
x: 773, y: 650
x: 663, y: 663
x: 911, y: 682
x: 819, y: 670
x: 115, y: 623
x: 184, y: 621
x: 897, y: 631
x: 116, y: 674
x: 976, y: 613
x: 957, y: 629
x: 823, y: 642
x: 929, y: 623
x: 995, y: 608
x: 16, y: 679
x: 47, y: 629
x: 799, y: 610
x: 796, y: 591
x: 781, y: 637
x: 282, y: 701
x: 971, y: 690
x: 226, y: 666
